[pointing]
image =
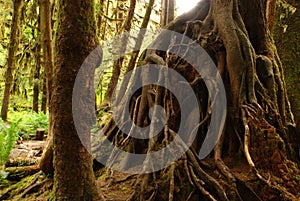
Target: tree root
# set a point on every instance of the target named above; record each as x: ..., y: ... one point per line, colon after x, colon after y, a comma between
x: 286, y: 195
x: 223, y: 34
x: 33, y: 186
x: 172, y: 182
x: 210, y: 181
x: 199, y: 184
x: 17, y: 173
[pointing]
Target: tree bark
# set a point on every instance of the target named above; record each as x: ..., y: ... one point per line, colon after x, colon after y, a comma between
x: 44, y: 94
x: 99, y: 17
x: 271, y: 7
x: 171, y: 10
x: 164, y: 13
x: 46, y: 41
x: 168, y: 12
x: 235, y: 34
x: 37, y: 78
x: 76, y: 38
x: 14, y: 42
x: 36, y: 83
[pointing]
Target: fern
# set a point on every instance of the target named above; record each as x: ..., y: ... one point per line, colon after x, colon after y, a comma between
x: 8, y: 136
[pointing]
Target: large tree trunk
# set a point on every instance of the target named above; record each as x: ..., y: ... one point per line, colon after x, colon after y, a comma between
x: 259, y: 127
x: 14, y: 42
x: 76, y: 38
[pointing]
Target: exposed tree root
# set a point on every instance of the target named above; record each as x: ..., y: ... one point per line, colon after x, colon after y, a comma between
x: 258, y: 111
x: 199, y: 184
x: 17, y: 173
x: 32, y: 187
x: 225, y: 37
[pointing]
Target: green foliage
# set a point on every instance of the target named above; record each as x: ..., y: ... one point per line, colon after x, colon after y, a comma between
x: 103, y: 117
x: 8, y: 136
x: 28, y: 122
x: 285, y: 10
x: 3, y: 179
x: 22, y: 124
x: 287, y: 36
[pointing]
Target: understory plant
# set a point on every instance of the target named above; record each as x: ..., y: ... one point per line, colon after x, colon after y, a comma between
x: 8, y: 136
x: 29, y: 122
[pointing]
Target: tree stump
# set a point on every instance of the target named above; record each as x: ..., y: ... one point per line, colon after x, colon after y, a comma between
x: 39, y: 134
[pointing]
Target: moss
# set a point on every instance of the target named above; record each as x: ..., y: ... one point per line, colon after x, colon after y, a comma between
x: 16, y: 189
x: 287, y: 38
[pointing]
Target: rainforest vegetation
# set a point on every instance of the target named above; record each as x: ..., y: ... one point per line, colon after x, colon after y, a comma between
x: 86, y: 100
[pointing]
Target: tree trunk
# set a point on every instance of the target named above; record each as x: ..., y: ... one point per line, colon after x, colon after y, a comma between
x: 118, y: 64
x: 271, y: 7
x: 46, y: 39
x: 103, y: 31
x: 171, y: 11
x: 168, y: 12
x: 164, y: 13
x: 99, y: 17
x: 138, y: 44
x: 14, y: 42
x: 36, y: 85
x: 259, y: 121
x: 44, y: 94
x: 73, y: 176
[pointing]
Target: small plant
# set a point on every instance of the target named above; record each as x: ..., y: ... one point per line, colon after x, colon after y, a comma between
x: 8, y: 136
x: 29, y: 123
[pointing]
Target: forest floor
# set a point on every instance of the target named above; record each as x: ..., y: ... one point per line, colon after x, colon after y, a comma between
x: 32, y: 185
x: 113, y: 186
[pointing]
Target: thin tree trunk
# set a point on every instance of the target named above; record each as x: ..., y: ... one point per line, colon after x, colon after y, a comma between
x: 164, y: 13
x: 138, y: 45
x: 46, y: 32
x: 99, y: 16
x: 36, y: 83
x: 36, y: 90
x: 44, y: 95
x: 168, y: 12
x: 171, y: 10
x: 105, y: 21
x: 119, y: 63
x: 14, y: 42
x: 141, y: 35
x: 46, y: 38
